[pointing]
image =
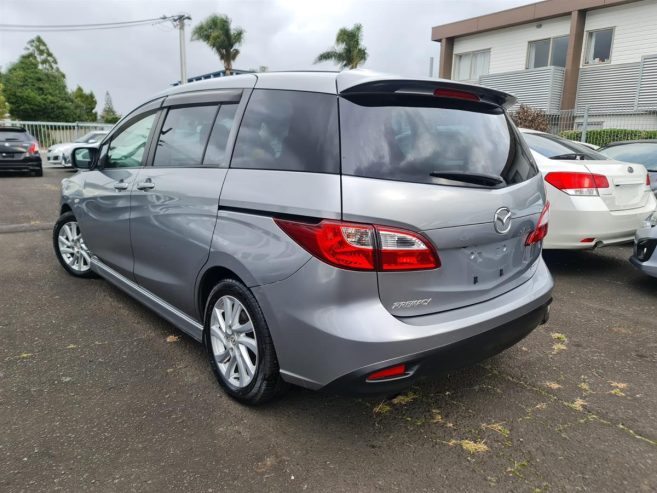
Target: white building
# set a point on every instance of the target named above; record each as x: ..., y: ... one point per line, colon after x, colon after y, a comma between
x: 563, y: 55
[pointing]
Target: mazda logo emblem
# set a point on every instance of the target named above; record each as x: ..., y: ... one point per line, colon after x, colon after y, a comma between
x: 502, y: 220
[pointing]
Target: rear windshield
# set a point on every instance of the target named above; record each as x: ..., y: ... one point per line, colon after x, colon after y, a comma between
x: 554, y: 147
x: 404, y: 138
x: 640, y: 153
x: 13, y: 135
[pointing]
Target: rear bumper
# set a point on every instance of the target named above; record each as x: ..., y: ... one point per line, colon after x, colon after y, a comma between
x: 23, y: 165
x: 570, y: 225
x: 646, y: 260
x: 330, y: 328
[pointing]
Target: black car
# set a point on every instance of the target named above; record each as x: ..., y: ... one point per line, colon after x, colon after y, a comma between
x: 19, y: 151
x: 636, y: 151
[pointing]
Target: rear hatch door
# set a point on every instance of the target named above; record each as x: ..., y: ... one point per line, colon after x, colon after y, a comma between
x: 13, y: 143
x: 410, y: 160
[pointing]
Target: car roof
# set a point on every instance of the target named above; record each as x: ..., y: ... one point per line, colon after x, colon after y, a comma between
x: 348, y: 81
x: 625, y: 142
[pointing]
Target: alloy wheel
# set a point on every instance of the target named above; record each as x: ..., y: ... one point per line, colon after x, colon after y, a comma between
x: 72, y: 247
x: 234, y: 341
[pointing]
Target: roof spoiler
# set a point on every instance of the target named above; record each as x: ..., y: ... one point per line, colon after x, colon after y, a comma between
x: 354, y: 82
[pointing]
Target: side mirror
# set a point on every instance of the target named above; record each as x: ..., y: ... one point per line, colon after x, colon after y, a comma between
x: 83, y: 157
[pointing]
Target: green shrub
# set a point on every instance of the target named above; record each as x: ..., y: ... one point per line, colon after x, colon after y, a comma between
x: 604, y: 136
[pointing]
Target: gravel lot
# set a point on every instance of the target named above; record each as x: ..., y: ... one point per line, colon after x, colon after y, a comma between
x: 98, y: 393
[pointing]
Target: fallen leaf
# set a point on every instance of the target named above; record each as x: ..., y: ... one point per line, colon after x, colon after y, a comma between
x: 173, y: 338
x: 558, y: 347
x: 578, y: 405
x: 25, y: 355
x: 617, y: 392
x: 403, y: 399
x: 618, y: 385
x: 552, y: 385
x: 71, y: 346
x: 558, y: 337
x: 437, y: 418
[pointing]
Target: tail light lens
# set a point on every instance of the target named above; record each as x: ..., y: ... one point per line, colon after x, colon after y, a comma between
x: 33, y: 149
x: 575, y: 183
x: 541, y: 229
x: 386, y: 373
x: 455, y: 94
x: 355, y: 246
x: 647, y: 179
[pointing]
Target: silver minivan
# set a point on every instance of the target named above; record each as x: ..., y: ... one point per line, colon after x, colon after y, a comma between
x: 348, y: 231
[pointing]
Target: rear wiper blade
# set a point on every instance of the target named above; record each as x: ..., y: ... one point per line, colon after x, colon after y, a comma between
x: 572, y: 156
x: 481, y: 179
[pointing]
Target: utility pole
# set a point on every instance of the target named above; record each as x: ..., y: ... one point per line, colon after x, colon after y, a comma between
x: 179, y: 22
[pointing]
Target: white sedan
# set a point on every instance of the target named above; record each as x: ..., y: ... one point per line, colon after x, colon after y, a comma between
x: 61, y: 153
x: 594, y: 201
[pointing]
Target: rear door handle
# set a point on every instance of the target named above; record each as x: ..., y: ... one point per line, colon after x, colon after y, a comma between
x: 120, y: 185
x: 145, y: 185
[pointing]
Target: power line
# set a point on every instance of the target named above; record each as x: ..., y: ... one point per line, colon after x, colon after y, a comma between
x: 84, y: 27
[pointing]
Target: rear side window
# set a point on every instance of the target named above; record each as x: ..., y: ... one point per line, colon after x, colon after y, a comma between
x: 215, y: 154
x: 408, y: 138
x: 184, y: 135
x: 289, y: 131
x: 640, y: 153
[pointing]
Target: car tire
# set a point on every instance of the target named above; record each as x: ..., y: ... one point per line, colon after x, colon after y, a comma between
x: 230, y: 349
x: 70, y: 247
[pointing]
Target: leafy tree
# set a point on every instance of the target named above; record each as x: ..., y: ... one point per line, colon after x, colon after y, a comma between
x: 348, y: 51
x: 216, y: 31
x: 36, y: 90
x: 85, y: 103
x: 4, y: 107
x: 45, y: 58
x: 532, y: 118
x: 109, y: 114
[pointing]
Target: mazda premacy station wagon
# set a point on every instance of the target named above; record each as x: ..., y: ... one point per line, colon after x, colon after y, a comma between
x: 346, y: 231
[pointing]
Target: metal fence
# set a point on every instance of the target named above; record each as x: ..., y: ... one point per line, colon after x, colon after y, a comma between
x: 49, y: 133
x: 602, y: 126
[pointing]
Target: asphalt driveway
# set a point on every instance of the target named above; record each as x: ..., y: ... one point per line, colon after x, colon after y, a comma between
x: 98, y: 393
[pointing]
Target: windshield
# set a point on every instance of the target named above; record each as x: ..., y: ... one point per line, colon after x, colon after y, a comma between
x: 641, y: 153
x: 95, y: 136
x: 408, y: 138
x: 554, y: 147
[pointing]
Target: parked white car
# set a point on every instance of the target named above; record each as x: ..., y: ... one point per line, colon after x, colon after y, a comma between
x: 594, y: 201
x: 61, y: 153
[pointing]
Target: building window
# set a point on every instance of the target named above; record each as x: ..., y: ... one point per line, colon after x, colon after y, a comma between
x: 471, y: 66
x: 598, y: 46
x: 547, y: 52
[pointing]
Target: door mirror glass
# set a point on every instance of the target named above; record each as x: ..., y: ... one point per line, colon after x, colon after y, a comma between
x: 83, y: 157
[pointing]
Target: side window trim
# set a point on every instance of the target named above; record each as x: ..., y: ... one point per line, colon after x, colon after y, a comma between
x: 237, y: 124
x: 203, y: 98
x: 152, y: 138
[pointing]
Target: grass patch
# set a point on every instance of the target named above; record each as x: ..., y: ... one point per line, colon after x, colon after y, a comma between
x: 498, y: 428
x: 617, y: 392
x: 403, y: 399
x: 559, y: 337
x: 552, y: 385
x: 558, y: 347
x: 469, y: 446
x: 382, y: 408
x: 578, y: 405
x: 517, y: 468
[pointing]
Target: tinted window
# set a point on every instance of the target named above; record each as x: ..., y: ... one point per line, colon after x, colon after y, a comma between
x: 91, y: 136
x: 126, y: 149
x: 12, y: 135
x: 557, y: 148
x: 539, y: 53
x: 402, y: 138
x: 599, y: 46
x: 288, y: 130
x: 183, y: 136
x: 559, y: 51
x: 641, y: 153
x: 215, y: 154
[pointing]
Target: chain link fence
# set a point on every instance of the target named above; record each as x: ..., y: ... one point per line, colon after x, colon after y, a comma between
x: 49, y: 133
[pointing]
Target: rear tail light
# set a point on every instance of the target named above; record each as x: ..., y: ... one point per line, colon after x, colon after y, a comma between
x: 33, y: 149
x: 455, y: 94
x: 648, y: 179
x: 362, y: 246
x: 541, y: 229
x: 391, y: 372
x: 576, y: 183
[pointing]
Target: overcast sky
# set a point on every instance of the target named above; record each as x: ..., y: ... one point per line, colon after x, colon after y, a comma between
x: 137, y: 62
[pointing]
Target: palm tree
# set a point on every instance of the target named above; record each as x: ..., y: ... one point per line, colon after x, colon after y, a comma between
x: 216, y: 31
x: 348, y: 51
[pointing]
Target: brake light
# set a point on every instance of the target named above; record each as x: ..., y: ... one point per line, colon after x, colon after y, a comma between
x: 455, y: 94
x: 648, y: 179
x: 576, y: 183
x: 33, y: 149
x: 393, y: 371
x: 362, y: 246
x: 541, y: 229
